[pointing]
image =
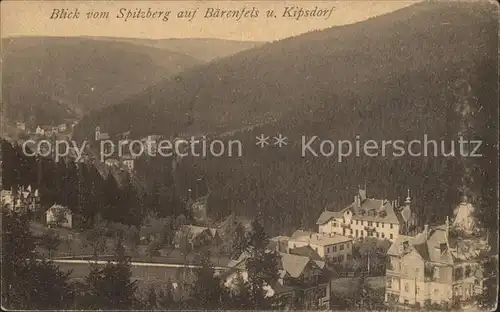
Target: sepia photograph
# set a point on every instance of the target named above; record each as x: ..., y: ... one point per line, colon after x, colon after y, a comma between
x: 258, y: 155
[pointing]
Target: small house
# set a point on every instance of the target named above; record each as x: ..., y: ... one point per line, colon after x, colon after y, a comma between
x: 59, y: 216
x: 194, y: 236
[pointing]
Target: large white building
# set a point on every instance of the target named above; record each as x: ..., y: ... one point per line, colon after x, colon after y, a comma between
x: 379, y: 218
x: 334, y: 247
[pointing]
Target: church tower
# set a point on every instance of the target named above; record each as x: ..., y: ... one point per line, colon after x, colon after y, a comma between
x: 97, y: 133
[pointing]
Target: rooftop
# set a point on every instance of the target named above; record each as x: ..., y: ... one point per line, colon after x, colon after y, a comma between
x: 429, y: 245
x: 366, y: 209
x: 306, y: 251
x: 319, y: 239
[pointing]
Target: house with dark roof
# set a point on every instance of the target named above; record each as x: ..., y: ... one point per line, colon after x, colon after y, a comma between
x: 435, y: 266
x: 195, y: 237
x: 379, y: 218
x: 300, y: 277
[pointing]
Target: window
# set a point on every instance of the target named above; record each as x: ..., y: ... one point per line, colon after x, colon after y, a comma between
x: 378, y: 235
x: 417, y: 290
x: 361, y: 222
x: 391, y: 226
x: 357, y: 222
x: 356, y: 233
x: 468, y: 271
x: 383, y: 235
x: 334, y: 248
x: 378, y: 224
x: 389, y: 282
x: 341, y: 246
x: 406, y: 287
x: 327, y: 249
x: 436, y: 271
x: 436, y: 291
x: 370, y: 223
x: 351, y: 231
x: 382, y: 224
x: 361, y: 233
x: 390, y: 236
x: 334, y: 224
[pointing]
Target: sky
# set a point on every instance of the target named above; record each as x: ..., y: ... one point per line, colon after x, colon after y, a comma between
x: 32, y: 18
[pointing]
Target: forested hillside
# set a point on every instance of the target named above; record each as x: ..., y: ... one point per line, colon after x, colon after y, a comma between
x: 205, y: 49
x: 48, y: 79
x: 426, y: 69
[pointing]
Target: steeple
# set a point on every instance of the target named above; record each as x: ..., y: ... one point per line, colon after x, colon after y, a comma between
x: 408, y: 198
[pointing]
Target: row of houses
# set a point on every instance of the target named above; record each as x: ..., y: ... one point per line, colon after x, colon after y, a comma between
x: 434, y: 266
x: 21, y: 199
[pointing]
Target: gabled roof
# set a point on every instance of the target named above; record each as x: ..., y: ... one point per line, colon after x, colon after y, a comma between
x: 59, y: 207
x: 406, y: 213
x: 429, y: 246
x: 294, y: 265
x: 328, y: 215
x: 291, y: 265
x: 362, y: 212
x: 214, y: 232
x: 192, y: 232
x: 306, y: 251
x: 394, y: 249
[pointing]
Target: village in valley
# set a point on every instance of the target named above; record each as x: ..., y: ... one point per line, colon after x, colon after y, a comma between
x: 371, y: 253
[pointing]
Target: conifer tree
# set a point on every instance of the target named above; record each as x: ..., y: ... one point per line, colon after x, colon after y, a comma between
x: 207, y: 291
x: 240, y: 293
x: 262, y: 266
x: 110, y: 287
x: 151, y: 298
x: 239, y: 241
x: 166, y: 296
x: 32, y: 282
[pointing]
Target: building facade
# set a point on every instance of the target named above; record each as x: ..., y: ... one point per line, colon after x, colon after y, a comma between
x: 437, y: 266
x: 334, y: 247
x: 368, y: 217
x: 22, y: 199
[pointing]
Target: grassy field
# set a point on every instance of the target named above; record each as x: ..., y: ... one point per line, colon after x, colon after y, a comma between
x: 145, y: 276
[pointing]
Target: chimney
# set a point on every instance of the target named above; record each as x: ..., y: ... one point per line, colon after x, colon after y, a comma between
x: 362, y: 194
x: 426, y: 231
x: 447, y: 228
x: 356, y: 201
